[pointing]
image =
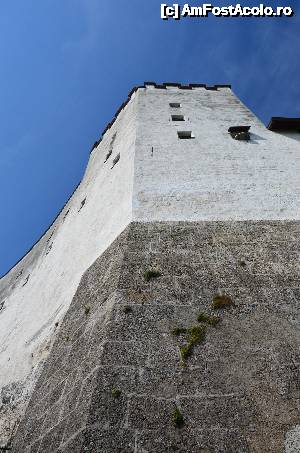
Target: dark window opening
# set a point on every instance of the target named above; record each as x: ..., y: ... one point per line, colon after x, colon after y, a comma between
x: 185, y: 135
x: 26, y: 280
x: 19, y: 274
x: 82, y: 204
x: 110, y: 147
x: 116, y: 159
x: 175, y: 105
x: 108, y: 155
x: 49, y: 248
x: 240, y: 132
x: 113, y: 139
x: 49, y: 238
x: 177, y: 118
x: 66, y: 214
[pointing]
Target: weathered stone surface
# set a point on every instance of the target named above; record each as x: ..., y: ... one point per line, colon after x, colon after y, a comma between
x: 239, y: 391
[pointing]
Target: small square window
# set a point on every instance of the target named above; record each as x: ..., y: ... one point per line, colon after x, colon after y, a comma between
x: 185, y: 134
x: 240, y: 132
x: 177, y: 118
x: 175, y: 105
x: 116, y: 160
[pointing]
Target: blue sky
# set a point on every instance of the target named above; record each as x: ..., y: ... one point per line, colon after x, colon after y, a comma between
x: 67, y: 65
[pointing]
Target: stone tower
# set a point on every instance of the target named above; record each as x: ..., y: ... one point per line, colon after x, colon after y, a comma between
x: 160, y: 312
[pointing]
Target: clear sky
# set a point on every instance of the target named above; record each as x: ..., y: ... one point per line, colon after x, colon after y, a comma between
x: 67, y: 65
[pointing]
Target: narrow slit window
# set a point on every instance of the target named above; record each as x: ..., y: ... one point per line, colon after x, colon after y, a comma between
x: 113, y: 139
x: 116, y: 159
x: 185, y: 135
x: 26, y: 280
x: 108, y: 155
x: 177, y: 117
x: 82, y: 204
x: 111, y: 146
x: 175, y: 105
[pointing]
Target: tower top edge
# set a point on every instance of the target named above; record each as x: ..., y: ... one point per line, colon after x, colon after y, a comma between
x: 158, y: 86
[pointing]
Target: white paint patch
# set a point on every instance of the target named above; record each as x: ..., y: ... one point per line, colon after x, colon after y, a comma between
x: 292, y: 440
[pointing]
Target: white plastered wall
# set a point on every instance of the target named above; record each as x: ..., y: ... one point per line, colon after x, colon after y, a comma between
x: 211, y: 177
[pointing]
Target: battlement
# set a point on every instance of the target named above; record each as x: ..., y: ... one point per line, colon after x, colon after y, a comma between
x: 163, y: 86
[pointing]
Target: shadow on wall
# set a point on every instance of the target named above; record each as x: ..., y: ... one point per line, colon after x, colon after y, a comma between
x: 256, y: 138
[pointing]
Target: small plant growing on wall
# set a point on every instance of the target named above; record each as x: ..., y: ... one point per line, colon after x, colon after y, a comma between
x: 115, y: 393
x: 178, y: 331
x: 177, y: 418
x: 222, y: 301
x: 196, y: 335
x: 151, y: 274
x: 87, y: 309
x: 210, y: 320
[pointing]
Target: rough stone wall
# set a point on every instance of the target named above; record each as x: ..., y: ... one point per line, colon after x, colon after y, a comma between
x: 115, y: 375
